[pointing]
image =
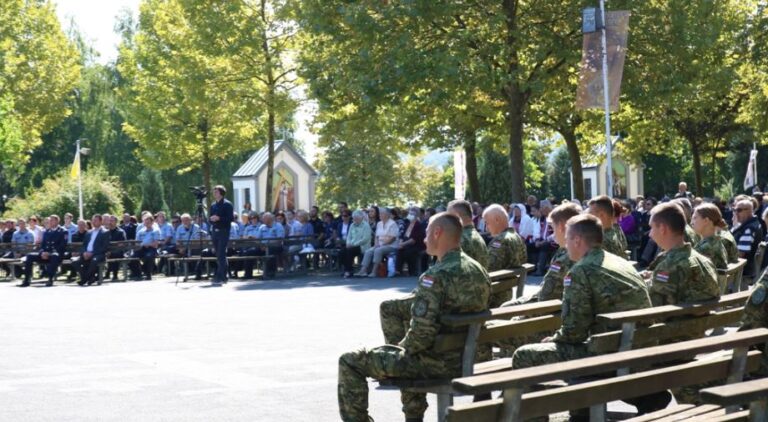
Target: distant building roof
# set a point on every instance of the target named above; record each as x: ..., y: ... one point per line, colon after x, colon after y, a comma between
x: 258, y: 161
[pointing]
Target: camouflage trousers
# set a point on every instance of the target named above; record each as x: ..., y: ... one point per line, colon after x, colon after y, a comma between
x: 508, y: 346
x: 386, y: 361
x: 499, y: 298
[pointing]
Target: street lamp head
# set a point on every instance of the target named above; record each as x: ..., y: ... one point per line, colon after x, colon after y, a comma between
x: 85, y: 151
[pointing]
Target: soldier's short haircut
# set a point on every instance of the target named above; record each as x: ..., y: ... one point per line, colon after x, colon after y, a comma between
x: 602, y: 203
x: 52, y: 216
x: 564, y: 212
x: 711, y: 212
x: 495, y: 209
x: 222, y: 190
x: 685, y: 205
x: 450, y: 223
x: 588, y: 227
x: 461, y: 207
x: 669, y: 214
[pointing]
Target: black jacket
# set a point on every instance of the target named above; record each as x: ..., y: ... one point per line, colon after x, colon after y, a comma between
x: 54, y: 241
x: 100, y: 245
x: 225, y: 211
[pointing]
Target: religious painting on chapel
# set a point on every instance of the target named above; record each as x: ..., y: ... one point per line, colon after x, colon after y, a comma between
x: 620, y: 180
x: 283, y: 190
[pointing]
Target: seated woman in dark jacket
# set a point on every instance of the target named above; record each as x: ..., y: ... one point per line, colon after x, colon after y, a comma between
x: 411, y: 244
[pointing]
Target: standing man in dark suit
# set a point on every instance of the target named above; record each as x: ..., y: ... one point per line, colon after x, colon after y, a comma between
x: 51, y: 251
x: 221, y: 216
x: 93, y: 252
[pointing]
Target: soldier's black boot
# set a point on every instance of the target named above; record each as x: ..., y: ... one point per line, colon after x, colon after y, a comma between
x: 49, y: 283
x: 25, y: 283
x: 414, y: 419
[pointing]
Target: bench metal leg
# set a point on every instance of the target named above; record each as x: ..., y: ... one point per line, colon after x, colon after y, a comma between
x: 758, y: 411
x: 521, y: 284
x: 627, y: 336
x: 444, y: 401
x: 736, y: 371
x: 597, y: 413
x: 513, y: 398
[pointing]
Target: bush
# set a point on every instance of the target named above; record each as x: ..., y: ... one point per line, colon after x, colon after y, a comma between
x: 102, y: 193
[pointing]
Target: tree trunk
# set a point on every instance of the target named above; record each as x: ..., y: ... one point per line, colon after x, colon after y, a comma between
x: 516, y: 102
x: 269, y: 201
x: 470, y: 149
x: 696, y: 155
x: 573, y: 152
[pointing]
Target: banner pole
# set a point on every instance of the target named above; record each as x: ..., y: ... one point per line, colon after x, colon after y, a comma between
x: 607, y: 106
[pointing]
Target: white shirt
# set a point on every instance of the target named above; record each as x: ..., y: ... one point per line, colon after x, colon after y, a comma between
x: 390, y: 230
x: 94, y: 233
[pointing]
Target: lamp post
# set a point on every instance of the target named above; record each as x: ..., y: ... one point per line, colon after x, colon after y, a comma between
x: 606, y: 101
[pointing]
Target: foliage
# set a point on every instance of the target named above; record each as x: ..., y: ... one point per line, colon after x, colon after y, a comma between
x: 59, y: 195
x: 152, y: 191
x: 38, y: 69
x: 12, y: 142
x: 559, y: 175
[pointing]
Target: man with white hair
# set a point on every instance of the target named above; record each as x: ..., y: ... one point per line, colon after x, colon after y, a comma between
x: 506, y: 249
x: 748, y: 234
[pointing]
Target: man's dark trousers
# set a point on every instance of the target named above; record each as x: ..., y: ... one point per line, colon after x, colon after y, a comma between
x: 51, y: 268
x: 220, y: 238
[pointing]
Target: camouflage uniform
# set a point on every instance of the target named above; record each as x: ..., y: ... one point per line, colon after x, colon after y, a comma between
x: 691, y: 236
x: 712, y: 248
x: 729, y: 243
x: 506, y: 251
x: 612, y: 241
x: 756, y: 316
x: 456, y: 284
x: 473, y: 245
x: 599, y: 283
x: 683, y: 275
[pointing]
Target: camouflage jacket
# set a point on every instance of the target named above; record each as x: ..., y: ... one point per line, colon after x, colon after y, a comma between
x: 729, y: 243
x: 551, y: 286
x: 691, y: 236
x: 598, y: 283
x: 455, y: 284
x: 756, y: 309
x: 506, y: 251
x: 712, y: 248
x: 683, y: 275
x: 473, y: 245
x: 612, y: 241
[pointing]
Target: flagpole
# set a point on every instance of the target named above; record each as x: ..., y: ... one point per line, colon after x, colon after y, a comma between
x: 79, y: 181
x: 607, y: 106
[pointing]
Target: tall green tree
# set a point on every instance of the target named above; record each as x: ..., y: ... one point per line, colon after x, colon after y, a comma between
x: 480, y: 48
x: 39, y: 67
x: 187, y: 103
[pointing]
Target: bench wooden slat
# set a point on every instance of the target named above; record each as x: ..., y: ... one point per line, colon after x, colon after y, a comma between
x: 663, y: 312
x: 703, y: 412
x: 598, y: 364
x: 738, y: 393
x: 648, y: 336
x: 541, y: 403
x: 446, y: 342
x: 528, y: 309
x: 732, y: 417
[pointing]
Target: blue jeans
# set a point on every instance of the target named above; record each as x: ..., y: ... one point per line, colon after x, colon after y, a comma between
x: 220, y: 238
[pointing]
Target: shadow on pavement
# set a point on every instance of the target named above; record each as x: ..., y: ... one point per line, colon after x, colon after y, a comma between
x: 404, y: 284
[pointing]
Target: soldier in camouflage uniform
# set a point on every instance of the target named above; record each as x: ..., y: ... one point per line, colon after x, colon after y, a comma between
x: 506, y: 249
x: 729, y: 243
x: 690, y: 235
x: 682, y: 275
x: 602, y: 208
x: 599, y: 282
x: 705, y: 221
x: 471, y: 242
x: 756, y: 316
x: 455, y: 284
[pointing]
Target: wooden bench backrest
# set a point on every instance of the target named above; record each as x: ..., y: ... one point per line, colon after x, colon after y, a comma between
x: 732, y: 274
x: 513, y: 382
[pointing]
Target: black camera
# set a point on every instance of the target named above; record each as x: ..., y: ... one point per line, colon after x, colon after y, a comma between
x: 199, y: 191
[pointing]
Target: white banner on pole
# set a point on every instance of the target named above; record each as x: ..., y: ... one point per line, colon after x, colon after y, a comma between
x: 459, y: 174
x: 750, y: 179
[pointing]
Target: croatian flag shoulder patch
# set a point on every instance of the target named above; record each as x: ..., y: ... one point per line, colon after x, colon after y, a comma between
x: 554, y: 267
x: 662, y: 277
x: 496, y: 244
x: 427, y: 282
x: 567, y: 281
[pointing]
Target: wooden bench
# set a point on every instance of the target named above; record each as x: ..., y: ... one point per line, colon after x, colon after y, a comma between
x: 541, y: 317
x: 517, y: 405
x: 754, y: 393
x: 522, y: 272
x: 19, y: 251
x: 731, y: 276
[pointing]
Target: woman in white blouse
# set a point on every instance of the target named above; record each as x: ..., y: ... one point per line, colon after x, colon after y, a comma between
x: 385, y: 242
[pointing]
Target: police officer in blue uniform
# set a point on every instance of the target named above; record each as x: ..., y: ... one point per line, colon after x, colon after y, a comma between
x: 221, y: 216
x: 51, y: 251
x: 149, y: 238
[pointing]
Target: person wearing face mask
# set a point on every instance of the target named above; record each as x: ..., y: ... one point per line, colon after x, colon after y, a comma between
x: 411, y: 243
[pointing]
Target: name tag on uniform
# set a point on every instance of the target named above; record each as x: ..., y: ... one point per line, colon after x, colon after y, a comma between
x: 427, y: 282
x: 662, y: 277
x: 567, y: 281
x: 496, y: 244
x: 554, y: 267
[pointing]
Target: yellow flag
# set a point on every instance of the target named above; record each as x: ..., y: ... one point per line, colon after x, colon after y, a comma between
x: 75, y: 172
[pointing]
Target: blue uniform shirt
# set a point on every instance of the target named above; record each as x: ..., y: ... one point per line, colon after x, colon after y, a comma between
x: 234, y: 232
x: 71, y: 229
x: 166, y: 231
x: 23, y: 237
x: 251, y: 231
x: 276, y: 231
x: 147, y: 236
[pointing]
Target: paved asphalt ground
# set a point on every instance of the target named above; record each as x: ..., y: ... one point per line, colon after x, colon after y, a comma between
x: 156, y: 351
